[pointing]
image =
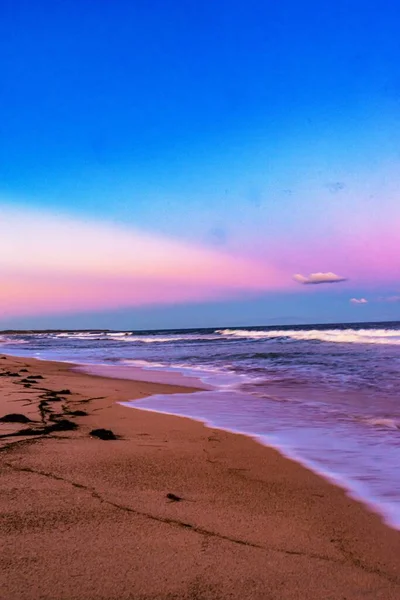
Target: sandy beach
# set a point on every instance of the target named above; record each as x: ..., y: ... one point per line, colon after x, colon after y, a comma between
x: 169, y: 509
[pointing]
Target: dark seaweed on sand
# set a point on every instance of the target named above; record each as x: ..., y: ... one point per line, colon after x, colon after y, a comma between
x: 174, y: 497
x: 61, y: 425
x: 9, y: 374
x: 15, y: 418
x: 103, y: 434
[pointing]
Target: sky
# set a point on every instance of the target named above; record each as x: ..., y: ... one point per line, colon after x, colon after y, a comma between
x: 193, y: 164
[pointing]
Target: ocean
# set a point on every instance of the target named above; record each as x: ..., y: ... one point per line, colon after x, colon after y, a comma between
x: 327, y: 396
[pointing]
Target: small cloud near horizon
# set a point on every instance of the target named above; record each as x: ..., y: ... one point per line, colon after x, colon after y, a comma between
x: 359, y: 301
x: 318, y: 278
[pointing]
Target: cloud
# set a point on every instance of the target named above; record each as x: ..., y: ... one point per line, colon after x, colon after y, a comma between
x: 359, y: 301
x: 57, y: 263
x: 316, y: 278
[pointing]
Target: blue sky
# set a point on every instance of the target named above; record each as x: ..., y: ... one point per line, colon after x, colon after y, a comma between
x: 263, y: 130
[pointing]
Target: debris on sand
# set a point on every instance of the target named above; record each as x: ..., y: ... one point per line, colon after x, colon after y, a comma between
x: 9, y: 374
x: 61, y: 425
x: 174, y: 498
x: 103, y: 434
x: 15, y: 418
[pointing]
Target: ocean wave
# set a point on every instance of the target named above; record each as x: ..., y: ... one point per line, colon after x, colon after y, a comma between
x: 218, y: 377
x: 130, y: 337
x: 382, y: 422
x: 144, y: 364
x: 155, y: 339
x: 76, y: 335
x: 355, y: 336
x: 8, y: 340
x: 152, y: 339
x: 206, y: 368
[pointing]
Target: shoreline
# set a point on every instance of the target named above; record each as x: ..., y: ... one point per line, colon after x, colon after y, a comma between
x: 180, y: 378
x: 135, y: 373
x: 346, y: 486
x: 192, y: 384
x: 185, y: 384
x: 238, y: 495
x: 352, y: 487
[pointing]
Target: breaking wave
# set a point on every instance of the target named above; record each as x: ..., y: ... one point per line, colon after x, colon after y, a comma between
x: 124, y: 336
x: 10, y: 340
x: 355, y: 336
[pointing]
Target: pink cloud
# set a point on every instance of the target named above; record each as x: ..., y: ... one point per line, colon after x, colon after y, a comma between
x: 317, y: 278
x: 42, y: 294
x: 56, y: 264
x: 359, y: 301
x: 366, y: 253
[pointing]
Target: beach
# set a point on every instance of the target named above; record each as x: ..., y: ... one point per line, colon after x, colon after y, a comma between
x: 170, y: 509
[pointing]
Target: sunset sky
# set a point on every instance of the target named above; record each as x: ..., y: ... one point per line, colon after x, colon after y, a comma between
x: 186, y: 164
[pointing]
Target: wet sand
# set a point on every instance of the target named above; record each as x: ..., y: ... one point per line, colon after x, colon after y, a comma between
x: 170, y: 509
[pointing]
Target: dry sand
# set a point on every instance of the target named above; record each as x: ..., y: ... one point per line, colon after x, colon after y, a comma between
x: 85, y: 518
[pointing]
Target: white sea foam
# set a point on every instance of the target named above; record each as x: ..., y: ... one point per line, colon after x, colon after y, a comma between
x: 355, y: 336
x: 123, y: 336
x: 8, y: 340
x: 152, y: 339
x: 79, y: 335
x: 145, y: 364
x: 221, y: 378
